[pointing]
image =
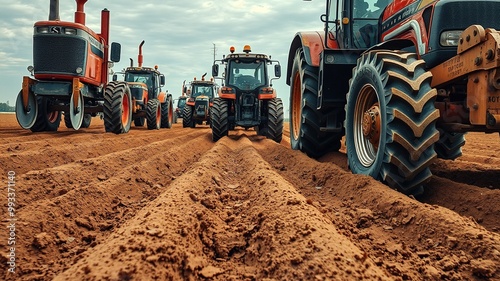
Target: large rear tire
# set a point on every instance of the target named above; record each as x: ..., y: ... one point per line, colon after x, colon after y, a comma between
x: 153, y: 114
x: 47, y: 119
x: 449, y: 145
x: 219, y: 114
x: 305, y: 119
x: 117, y: 107
x: 167, y: 113
x: 391, y: 120
x: 187, y: 117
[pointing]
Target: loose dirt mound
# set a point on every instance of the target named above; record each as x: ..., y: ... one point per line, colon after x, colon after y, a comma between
x: 170, y: 204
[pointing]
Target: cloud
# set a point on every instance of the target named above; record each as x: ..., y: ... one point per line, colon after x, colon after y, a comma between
x: 179, y: 35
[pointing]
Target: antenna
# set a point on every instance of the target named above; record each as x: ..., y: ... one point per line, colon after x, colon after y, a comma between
x: 215, y: 50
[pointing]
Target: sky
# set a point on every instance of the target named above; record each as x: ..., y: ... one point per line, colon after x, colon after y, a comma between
x: 179, y: 35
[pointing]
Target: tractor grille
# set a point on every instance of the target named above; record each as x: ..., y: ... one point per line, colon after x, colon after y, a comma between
x: 58, y: 54
x: 201, y: 108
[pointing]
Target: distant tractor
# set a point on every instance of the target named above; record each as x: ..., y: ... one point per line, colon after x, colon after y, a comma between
x: 200, y: 96
x: 148, y: 104
x: 247, y: 98
x: 70, y: 69
x: 181, y: 102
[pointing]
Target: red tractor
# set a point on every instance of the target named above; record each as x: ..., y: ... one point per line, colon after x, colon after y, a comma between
x: 403, y: 81
x: 70, y: 69
x: 149, y: 103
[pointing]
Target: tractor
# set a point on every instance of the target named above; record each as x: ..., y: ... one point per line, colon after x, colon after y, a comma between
x: 402, y: 82
x: 200, y: 95
x: 70, y: 72
x: 247, y: 98
x: 181, y: 102
x: 149, y: 104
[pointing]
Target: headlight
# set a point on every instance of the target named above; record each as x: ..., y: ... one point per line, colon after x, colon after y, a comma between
x: 450, y: 38
x: 79, y: 70
x: 42, y: 29
x: 70, y: 31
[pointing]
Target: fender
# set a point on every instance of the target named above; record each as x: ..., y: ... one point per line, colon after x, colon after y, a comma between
x: 312, y: 44
x: 162, y: 97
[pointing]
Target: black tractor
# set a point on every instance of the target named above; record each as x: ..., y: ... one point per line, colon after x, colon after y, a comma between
x: 247, y: 98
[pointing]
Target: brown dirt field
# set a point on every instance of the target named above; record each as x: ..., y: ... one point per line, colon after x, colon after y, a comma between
x: 170, y: 204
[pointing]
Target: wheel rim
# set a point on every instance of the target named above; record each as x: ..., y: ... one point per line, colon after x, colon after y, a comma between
x: 52, y: 116
x: 125, y: 110
x: 296, y: 105
x: 366, y: 131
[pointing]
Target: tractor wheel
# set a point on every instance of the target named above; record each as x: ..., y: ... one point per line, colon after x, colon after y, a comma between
x: 117, y: 107
x: 175, y: 117
x: 26, y: 116
x: 273, y: 128
x: 87, y: 119
x: 449, y: 145
x: 139, y: 121
x: 46, y: 120
x: 219, y: 119
x: 153, y: 114
x: 391, y: 120
x: 167, y: 113
x: 187, y: 117
x: 305, y: 119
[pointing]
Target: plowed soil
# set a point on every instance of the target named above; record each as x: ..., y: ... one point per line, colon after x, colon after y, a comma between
x: 170, y: 204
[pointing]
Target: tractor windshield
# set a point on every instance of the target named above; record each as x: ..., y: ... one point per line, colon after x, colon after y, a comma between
x: 247, y: 75
x: 181, y: 103
x: 202, y: 90
x: 145, y: 78
x: 365, y: 21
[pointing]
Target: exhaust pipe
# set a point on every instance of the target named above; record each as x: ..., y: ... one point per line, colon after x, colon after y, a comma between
x: 131, y: 62
x: 54, y: 10
x: 80, y: 13
x: 139, y: 57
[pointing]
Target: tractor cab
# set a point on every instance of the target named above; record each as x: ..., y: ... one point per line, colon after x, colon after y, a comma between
x: 203, y: 89
x: 357, y: 27
x: 144, y: 78
x: 247, y: 74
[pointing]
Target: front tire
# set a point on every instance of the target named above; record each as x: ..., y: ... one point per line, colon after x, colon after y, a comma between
x: 390, y: 121
x: 139, y: 121
x: 153, y: 114
x: 305, y: 119
x: 167, y: 113
x: 219, y: 119
x: 47, y: 119
x: 117, y: 107
x: 273, y: 128
x: 187, y: 117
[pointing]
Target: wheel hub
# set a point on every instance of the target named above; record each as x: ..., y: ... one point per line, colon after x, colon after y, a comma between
x: 371, y: 125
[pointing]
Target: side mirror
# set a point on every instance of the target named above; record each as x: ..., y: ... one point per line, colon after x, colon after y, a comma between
x: 115, y: 52
x: 277, y: 70
x: 215, y: 70
x: 162, y: 80
x: 115, y: 77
